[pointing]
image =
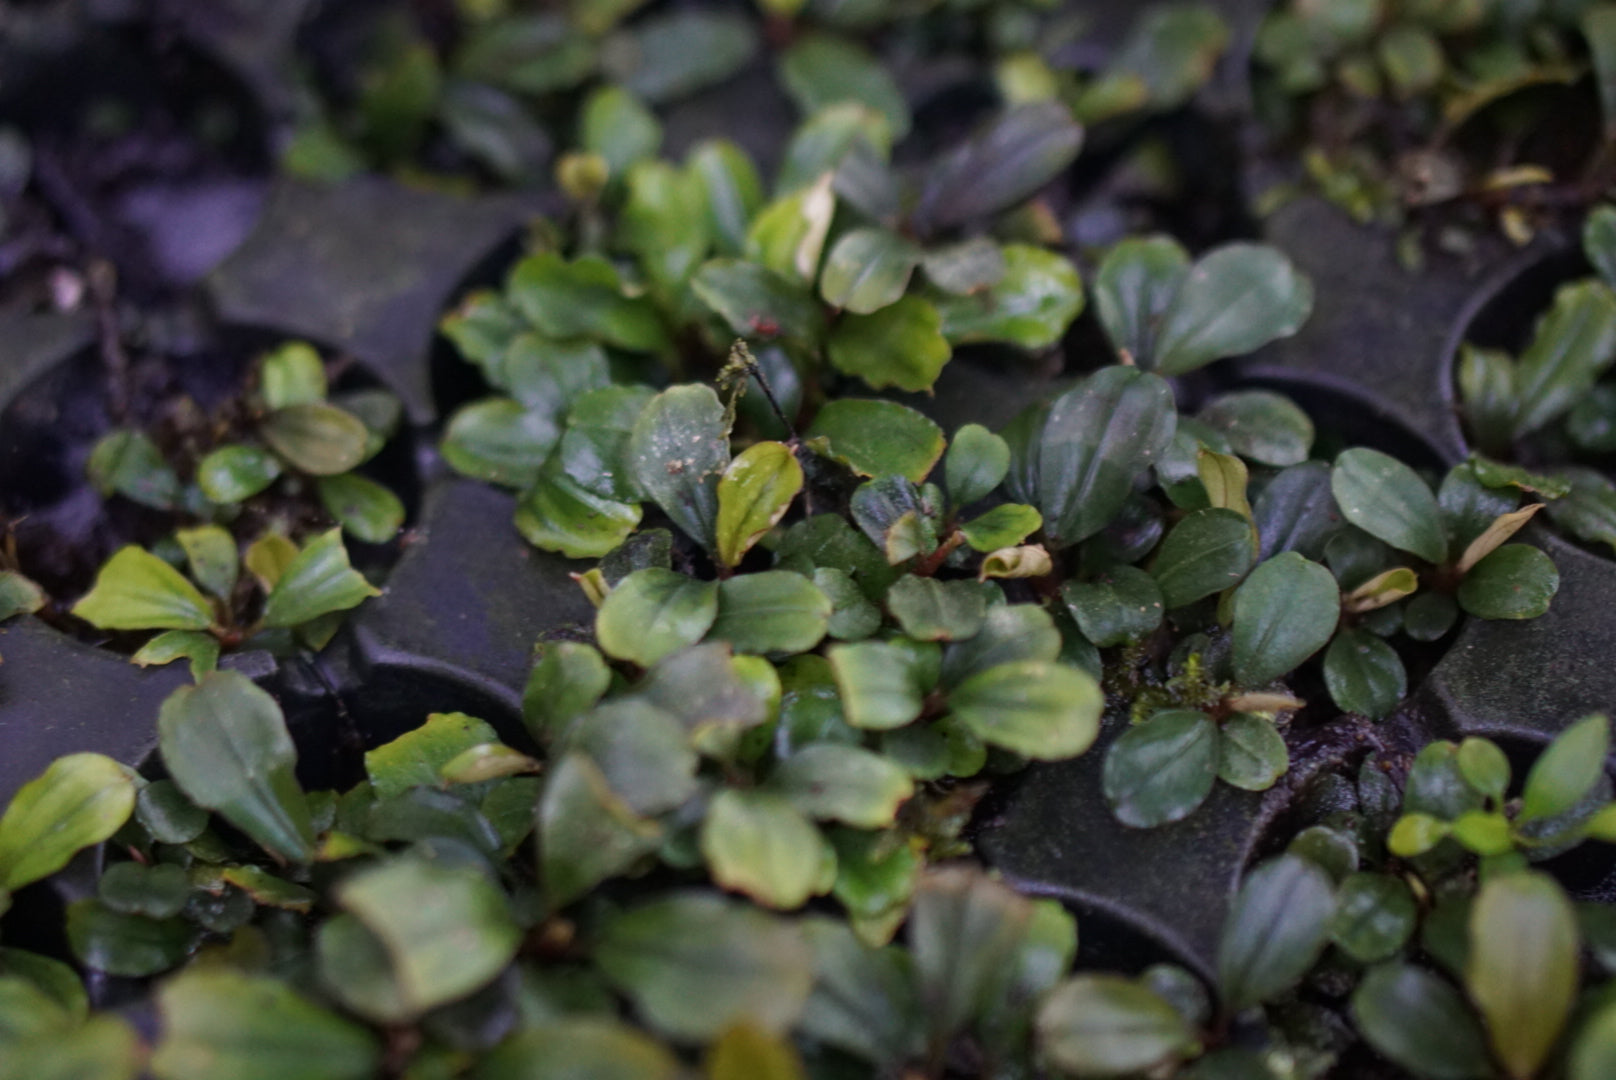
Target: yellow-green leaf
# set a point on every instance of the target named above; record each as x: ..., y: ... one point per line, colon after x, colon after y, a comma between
x: 753, y: 494
x: 136, y: 590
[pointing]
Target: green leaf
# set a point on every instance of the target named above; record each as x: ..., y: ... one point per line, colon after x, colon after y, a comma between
x: 1516, y: 581
x: 671, y: 55
x: 695, y: 964
x: 1296, y: 511
x: 211, y: 552
x: 1261, y: 426
x: 1593, y: 1054
x: 168, y: 815
x: 1599, y: 230
x: 1522, y: 967
x: 578, y: 1046
x: 587, y: 833
x: 499, y: 440
x: 820, y: 70
x: 1137, y: 280
x: 1010, y: 632
x: 1284, y: 612
x: 129, y: 945
x: 932, y: 610
x: 1036, y: 708
x: 788, y: 235
x: 899, y: 518
x: 1208, y: 551
x: 567, y: 680
x: 678, y: 452
x: 664, y: 221
x: 79, y: 800
x: 1159, y: 771
x: 879, y: 438
x: 130, y: 464
x: 753, y: 495
x: 865, y: 1000
x: 964, y: 931
x: 102, y: 1048
x: 1030, y: 304
x: 977, y: 461
x: 365, y: 509
x: 1588, y: 512
x: 1364, y: 674
x: 867, y: 269
x: 201, y: 649
x: 318, y: 582
x: 1006, y: 525
x: 217, y: 1021
x: 1375, y: 916
x: 758, y: 844
x: 415, y: 758
x: 709, y: 690
x: 225, y: 743
x: 316, y: 438
x: 19, y: 595
x: 1421, y: 1023
x: 732, y: 189
x: 881, y: 683
x: 758, y: 302
x: 1487, y: 381
x: 1107, y: 1025
x: 584, y: 299
x: 969, y: 266
x: 1023, y: 149
x: 616, y: 125
x: 1387, y: 499
x: 1251, y: 752
x: 1098, y: 438
x: 655, y: 612
x: 771, y: 612
x: 1121, y: 604
x: 901, y: 345
x: 843, y: 783
x: 1567, y: 770
x: 1571, y: 347
x: 745, y: 1053
x: 852, y: 616
x: 558, y: 513
x: 292, y: 374
x: 1276, y: 927
x: 447, y: 929
x: 135, y: 590
x: 1235, y: 299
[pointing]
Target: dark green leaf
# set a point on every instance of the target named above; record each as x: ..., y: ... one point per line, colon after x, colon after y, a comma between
x: 1021, y: 150
x: 977, y: 461
x: 1516, y: 581
x: 1296, y: 511
x: 575, y: 1047
x: 843, y: 783
x: 1261, y: 426
x: 225, y: 743
x: 1387, y: 499
x: 678, y: 452
x: 1421, y: 1023
x: 317, y: 438
x: 130, y: 464
x: 616, y: 125
x: 1208, y: 551
x: 1251, y: 752
x: 1572, y: 345
x: 1098, y: 438
x: 819, y: 70
x: 879, y: 438
x: 587, y: 833
x: 1235, y: 299
x: 758, y: 302
x: 732, y: 188
x: 1279, y: 922
x: 584, y: 298
x: 1106, y: 1025
x: 1599, y: 230
x: 129, y: 945
x: 1284, y: 612
x: 500, y: 440
x: 1159, y: 771
x: 964, y: 929
x: 1009, y: 633
x: 1120, y: 604
x: 1364, y: 674
x: 366, y: 510
x: 695, y: 964
x: 671, y: 55
x: 168, y: 815
x: 1137, y: 280
x: 864, y: 999
x: 1375, y: 915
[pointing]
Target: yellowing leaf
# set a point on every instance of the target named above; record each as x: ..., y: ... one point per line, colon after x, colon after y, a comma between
x: 136, y: 590
x: 753, y: 494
